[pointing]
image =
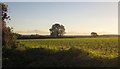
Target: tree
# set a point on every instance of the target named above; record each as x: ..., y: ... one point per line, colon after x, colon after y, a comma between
x: 57, y: 30
x: 8, y: 38
x: 94, y: 34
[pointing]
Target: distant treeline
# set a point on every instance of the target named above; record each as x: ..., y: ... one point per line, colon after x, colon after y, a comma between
x: 48, y: 36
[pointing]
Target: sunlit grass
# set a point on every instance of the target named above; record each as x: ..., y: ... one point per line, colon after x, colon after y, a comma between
x: 98, y: 47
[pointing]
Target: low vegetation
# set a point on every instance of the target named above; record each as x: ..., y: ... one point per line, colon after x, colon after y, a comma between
x: 65, y: 52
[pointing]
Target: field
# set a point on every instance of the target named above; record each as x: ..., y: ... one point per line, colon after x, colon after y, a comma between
x: 66, y: 52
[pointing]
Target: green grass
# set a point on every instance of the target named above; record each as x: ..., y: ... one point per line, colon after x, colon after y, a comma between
x: 98, y: 47
x: 65, y: 52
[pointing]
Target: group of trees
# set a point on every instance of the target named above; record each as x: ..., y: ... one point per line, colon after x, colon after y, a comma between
x: 58, y: 30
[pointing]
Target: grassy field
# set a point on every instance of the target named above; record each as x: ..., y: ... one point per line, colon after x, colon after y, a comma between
x: 67, y: 52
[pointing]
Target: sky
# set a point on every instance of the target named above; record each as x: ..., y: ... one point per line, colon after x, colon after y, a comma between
x: 79, y: 18
x: 59, y: 0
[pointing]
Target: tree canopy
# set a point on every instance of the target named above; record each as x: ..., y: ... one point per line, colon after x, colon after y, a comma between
x: 57, y: 30
x: 8, y: 38
x: 94, y: 34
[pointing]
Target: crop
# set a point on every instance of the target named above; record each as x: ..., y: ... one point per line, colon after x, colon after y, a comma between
x: 100, y: 47
x: 64, y: 52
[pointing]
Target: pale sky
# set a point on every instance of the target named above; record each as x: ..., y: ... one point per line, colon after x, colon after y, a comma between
x: 77, y: 17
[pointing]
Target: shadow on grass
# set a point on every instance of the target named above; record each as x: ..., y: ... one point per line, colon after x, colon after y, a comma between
x: 40, y: 57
